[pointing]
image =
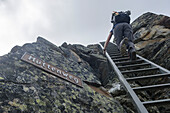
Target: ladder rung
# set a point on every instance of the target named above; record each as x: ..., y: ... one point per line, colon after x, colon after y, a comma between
x: 115, y: 57
x: 134, y: 65
x: 148, y: 77
x: 152, y: 87
x: 140, y: 70
x: 113, y: 52
x: 129, y: 62
x: 118, y: 54
x: 112, y: 48
x: 157, y: 102
x: 120, y: 59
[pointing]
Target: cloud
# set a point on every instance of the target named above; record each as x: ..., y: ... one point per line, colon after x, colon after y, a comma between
x: 72, y: 21
x: 20, y: 20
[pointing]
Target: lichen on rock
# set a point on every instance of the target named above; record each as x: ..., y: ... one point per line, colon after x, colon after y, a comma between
x: 26, y: 88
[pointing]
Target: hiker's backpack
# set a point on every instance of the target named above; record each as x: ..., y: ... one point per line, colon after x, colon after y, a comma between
x: 122, y: 17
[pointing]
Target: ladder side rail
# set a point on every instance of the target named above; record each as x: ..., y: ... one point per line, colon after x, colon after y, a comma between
x: 137, y: 102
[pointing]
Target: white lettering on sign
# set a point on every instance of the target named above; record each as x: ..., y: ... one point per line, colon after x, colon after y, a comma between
x: 43, y: 65
x: 48, y: 67
x: 34, y: 60
x: 64, y: 74
x: 58, y: 71
x: 70, y: 77
x: 38, y: 62
x: 30, y: 57
x: 51, y: 69
x: 76, y: 80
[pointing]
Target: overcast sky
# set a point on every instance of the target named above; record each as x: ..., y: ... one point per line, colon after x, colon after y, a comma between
x: 72, y: 21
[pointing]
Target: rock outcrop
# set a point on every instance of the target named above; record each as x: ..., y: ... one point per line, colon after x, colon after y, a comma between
x: 93, y: 55
x: 152, y: 38
x: 29, y: 89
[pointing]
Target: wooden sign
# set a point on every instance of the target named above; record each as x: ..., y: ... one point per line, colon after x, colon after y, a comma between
x: 52, y: 69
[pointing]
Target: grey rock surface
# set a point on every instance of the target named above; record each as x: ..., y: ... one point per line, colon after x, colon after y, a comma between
x: 25, y: 88
x: 152, y: 38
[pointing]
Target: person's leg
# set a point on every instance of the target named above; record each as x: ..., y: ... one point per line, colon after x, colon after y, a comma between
x: 118, y: 34
x: 127, y: 32
x: 130, y: 45
x: 123, y: 46
x: 120, y: 40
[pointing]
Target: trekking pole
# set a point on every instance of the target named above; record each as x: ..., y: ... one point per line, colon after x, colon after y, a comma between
x: 107, y: 41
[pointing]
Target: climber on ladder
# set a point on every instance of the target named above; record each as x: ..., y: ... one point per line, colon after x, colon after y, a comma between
x: 123, y: 34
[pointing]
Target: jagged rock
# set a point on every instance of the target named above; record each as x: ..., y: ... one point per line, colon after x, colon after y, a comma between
x: 149, y: 19
x: 26, y: 88
x: 93, y: 55
x: 158, y: 52
x: 152, y: 35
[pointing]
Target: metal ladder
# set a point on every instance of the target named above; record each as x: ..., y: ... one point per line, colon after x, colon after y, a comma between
x: 132, y: 72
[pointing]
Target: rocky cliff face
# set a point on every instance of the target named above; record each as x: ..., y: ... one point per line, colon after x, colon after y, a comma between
x: 152, y: 38
x: 26, y: 88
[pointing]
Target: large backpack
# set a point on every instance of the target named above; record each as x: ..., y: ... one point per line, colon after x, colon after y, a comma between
x: 122, y: 17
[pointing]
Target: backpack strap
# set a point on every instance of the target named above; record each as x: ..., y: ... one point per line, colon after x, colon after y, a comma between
x: 114, y: 13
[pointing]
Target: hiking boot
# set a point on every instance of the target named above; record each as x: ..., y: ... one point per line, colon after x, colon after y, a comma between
x: 132, y: 54
x: 123, y: 46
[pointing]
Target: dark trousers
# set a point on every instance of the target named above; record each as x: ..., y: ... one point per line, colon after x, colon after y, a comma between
x: 122, y: 30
